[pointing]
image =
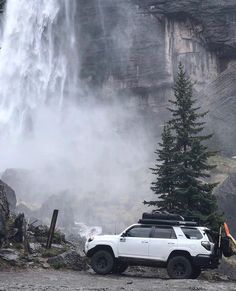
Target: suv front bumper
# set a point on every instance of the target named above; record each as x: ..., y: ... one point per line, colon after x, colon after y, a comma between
x: 206, y: 261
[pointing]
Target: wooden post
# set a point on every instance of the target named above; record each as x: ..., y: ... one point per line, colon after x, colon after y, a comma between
x: 52, y: 229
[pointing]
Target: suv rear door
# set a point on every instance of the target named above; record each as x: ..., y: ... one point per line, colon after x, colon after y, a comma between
x: 162, y: 242
x: 135, y: 243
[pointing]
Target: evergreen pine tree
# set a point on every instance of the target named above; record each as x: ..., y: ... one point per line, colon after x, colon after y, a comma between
x: 191, y: 194
x: 164, y: 172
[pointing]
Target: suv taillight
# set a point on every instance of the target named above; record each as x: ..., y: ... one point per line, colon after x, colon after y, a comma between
x: 206, y: 245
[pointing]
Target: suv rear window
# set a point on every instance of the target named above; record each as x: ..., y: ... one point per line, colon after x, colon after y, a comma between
x: 163, y: 232
x: 191, y: 233
x: 139, y: 231
x: 209, y: 235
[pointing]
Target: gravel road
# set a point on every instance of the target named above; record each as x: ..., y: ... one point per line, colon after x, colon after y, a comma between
x: 70, y: 280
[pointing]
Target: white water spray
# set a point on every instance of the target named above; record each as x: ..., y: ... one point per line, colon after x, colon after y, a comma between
x: 38, y: 61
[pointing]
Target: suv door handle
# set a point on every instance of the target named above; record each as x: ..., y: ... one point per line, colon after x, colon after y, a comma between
x: 171, y: 243
x: 144, y: 242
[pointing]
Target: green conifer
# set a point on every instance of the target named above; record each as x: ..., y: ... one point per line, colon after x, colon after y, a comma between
x: 191, y: 194
x: 164, y: 172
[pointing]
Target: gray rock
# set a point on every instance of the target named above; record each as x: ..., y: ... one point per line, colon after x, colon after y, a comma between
x: 35, y: 247
x: 4, y: 205
x: 9, y: 255
x: 4, y: 212
x: 10, y: 195
x: 12, y: 232
x: 69, y: 259
x: 46, y: 266
x: 2, y: 228
x: 20, y: 225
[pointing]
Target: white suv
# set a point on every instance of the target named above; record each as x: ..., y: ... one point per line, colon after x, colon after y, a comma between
x: 181, y: 247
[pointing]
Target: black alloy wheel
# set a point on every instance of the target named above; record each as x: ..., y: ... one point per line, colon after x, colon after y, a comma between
x: 102, y: 262
x: 179, y: 267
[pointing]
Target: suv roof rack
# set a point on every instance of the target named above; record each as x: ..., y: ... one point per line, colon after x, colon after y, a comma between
x: 168, y: 222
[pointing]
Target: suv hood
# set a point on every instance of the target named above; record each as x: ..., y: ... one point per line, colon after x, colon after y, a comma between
x: 105, y: 237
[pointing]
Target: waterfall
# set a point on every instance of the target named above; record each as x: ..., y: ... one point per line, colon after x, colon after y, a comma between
x: 38, y: 61
x: 57, y: 137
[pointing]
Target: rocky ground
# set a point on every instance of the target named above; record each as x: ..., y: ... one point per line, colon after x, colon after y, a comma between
x: 26, y: 263
x: 71, y: 280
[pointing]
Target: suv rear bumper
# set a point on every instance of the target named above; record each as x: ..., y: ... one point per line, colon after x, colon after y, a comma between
x: 206, y: 261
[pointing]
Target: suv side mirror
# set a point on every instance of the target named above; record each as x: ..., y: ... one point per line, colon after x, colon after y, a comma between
x: 123, y: 234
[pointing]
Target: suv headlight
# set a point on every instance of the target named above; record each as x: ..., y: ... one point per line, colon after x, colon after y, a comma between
x: 206, y: 245
x: 90, y: 239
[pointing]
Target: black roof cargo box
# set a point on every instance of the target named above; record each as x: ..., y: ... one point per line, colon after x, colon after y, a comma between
x: 162, y: 216
x: 167, y: 222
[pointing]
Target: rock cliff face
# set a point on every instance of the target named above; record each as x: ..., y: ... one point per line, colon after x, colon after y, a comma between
x: 214, y: 20
x: 136, y: 41
x: 121, y: 48
x: 219, y: 97
x: 134, y: 47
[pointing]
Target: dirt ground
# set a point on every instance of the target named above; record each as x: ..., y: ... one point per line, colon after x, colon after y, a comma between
x: 40, y: 279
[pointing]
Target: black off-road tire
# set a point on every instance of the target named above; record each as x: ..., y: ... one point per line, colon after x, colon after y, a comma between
x: 102, y: 262
x: 196, y: 272
x: 179, y: 267
x: 120, y: 267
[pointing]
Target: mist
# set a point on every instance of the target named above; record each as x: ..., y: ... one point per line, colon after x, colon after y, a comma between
x: 64, y: 143
x: 95, y: 153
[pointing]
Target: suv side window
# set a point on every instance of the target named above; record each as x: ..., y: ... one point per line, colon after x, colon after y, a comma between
x: 139, y: 231
x: 191, y: 233
x: 163, y: 232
